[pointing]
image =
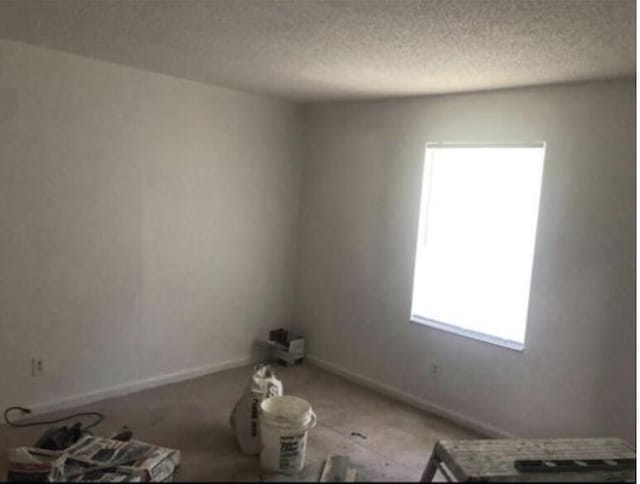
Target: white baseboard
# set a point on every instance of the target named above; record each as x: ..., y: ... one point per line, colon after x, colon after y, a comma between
x: 462, y: 420
x: 135, y: 386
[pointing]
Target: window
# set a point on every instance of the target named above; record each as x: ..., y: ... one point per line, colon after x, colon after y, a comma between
x: 478, y: 217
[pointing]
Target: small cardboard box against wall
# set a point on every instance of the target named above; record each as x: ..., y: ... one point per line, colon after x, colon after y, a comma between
x: 285, y: 350
x: 292, y: 354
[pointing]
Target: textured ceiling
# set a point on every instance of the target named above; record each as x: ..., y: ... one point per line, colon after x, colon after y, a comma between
x: 311, y: 50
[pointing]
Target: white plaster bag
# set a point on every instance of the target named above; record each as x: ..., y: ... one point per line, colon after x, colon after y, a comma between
x: 246, y: 413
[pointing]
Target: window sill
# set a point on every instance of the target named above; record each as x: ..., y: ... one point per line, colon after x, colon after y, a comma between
x: 512, y: 345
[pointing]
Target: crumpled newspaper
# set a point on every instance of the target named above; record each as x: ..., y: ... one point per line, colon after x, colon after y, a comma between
x: 95, y: 459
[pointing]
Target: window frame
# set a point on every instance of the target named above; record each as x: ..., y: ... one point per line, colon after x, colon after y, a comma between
x: 422, y: 231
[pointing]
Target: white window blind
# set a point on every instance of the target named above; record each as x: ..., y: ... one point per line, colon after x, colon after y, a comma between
x: 478, y: 218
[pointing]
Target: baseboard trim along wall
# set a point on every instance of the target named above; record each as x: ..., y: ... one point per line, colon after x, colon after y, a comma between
x: 462, y: 420
x: 136, y: 386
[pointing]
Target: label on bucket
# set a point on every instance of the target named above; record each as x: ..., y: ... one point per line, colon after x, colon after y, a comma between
x: 291, y: 449
x: 254, y: 416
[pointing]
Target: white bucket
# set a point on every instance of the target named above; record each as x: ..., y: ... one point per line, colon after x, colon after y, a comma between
x: 284, y: 423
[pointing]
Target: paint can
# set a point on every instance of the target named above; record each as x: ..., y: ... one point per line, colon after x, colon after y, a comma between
x: 284, y: 424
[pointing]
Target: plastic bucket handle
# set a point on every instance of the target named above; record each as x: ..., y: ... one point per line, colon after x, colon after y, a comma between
x: 312, y: 421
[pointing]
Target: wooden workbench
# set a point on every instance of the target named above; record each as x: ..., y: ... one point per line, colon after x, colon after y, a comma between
x: 493, y: 460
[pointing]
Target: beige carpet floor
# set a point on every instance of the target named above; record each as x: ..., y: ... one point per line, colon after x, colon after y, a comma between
x: 392, y: 441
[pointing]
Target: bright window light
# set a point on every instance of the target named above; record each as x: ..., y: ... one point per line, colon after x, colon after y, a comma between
x: 476, y: 240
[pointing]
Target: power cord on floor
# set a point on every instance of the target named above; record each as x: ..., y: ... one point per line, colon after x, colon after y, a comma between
x: 99, y: 417
x: 57, y: 438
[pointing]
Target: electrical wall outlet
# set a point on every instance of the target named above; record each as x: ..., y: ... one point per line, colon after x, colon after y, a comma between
x: 435, y: 369
x: 37, y: 366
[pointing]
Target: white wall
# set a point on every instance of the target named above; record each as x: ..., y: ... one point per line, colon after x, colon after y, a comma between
x: 146, y: 223
x: 359, y: 217
x: 147, y: 226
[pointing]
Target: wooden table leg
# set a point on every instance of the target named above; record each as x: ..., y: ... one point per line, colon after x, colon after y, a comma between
x: 432, y: 467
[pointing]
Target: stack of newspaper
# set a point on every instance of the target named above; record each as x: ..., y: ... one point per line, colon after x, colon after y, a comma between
x: 96, y: 459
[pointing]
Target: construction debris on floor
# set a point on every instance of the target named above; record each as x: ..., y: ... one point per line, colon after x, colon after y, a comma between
x: 94, y: 459
x: 73, y: 453
x: 337, y: 468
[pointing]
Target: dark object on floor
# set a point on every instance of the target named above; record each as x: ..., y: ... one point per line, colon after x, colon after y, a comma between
x: 337, y: 468
x: 494, y: 459
x: 572, y: 465
x: 59, y: 438
x: 358, y: 434
x: 124, y: 435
